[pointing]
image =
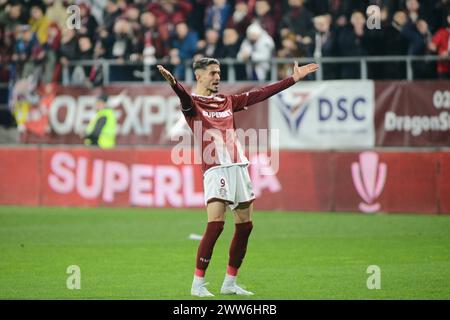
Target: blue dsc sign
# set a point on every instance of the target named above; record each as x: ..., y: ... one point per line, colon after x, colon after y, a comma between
x: 342, y: 109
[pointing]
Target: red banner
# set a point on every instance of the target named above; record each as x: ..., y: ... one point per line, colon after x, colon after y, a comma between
x: 443, y: 182
x: 367, y: 181
x: 413, y: 113
x: 386, y: 181
x: 20, y: 176
x: 145, y: 178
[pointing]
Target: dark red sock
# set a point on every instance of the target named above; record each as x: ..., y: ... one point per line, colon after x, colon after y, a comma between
x: 238, y: 245
x: 205, y: 249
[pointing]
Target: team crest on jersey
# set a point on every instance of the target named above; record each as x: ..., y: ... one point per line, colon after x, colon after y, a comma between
x: 223, y: 192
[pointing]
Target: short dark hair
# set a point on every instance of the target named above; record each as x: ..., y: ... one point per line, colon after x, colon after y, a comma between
x: 203, y: 63
x: 103, y: 97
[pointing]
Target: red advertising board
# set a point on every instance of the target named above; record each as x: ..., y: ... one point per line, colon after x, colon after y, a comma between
x: 386, y: 181
x: 304, y: 182
x: 20, y: 176
x: 412, y: 113
x: 123, y: 177
x: 366, y: 181
x: 443, y: 182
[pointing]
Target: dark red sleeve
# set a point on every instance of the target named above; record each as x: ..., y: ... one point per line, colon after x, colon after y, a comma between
x: 187, y: 103
x: 240, y: 101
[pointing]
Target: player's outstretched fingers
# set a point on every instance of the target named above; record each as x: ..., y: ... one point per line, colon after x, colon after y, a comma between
x: 312, y: 67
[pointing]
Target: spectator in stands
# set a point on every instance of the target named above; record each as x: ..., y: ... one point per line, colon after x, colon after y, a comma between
x: 418, y: 36
x: 230, y: 49
x: 412, y: 10
x: 101, y: 130
x: 211, y: 46
x: 231, y: 43
x: 39, y: 23
x: 374, y: 43
x: 97, y: 7
x: 439, y: 14
x: 338, y: 9
x: 324, y: 44
x: 12, y: 16
x: 395, y: 43
x: 132, y: 14
x: 257, y: 49
x: 5, y: 58
x: 152, y: 45
x: 103, y: 44
x: 217, y: 15
x: 184, y: 46
x: 111, y: 13
x: 123, y: 43
x: 265, y: 17
x: 168, y: 13
x: 28, y: 52
x: 102, y: 50
x: 352, y: 42
x: 241, y: 18
x: 86, y: 48
x: 289, y: 49
x: 51, y: 69
x: 124, y: 49
x: 68, y: 51
x: 299, y: 21
x: 56, y: 12
x: 441, y: 44
x: 88, y: 22
x: 196, y: 17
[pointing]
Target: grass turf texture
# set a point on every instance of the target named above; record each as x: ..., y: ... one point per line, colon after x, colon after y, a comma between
x: 146, y: 254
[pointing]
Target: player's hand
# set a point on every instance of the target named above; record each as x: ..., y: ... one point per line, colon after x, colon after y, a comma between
x: 167, y: 75
x: 303, y: 71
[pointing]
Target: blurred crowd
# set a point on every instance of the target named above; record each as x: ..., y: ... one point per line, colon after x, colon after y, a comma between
x: 35, y: 38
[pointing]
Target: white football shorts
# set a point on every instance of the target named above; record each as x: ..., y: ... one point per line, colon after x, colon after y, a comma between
x: 230, y: 183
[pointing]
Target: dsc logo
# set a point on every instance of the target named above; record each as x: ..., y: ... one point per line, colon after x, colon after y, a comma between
x: 369, y: 177
x: 341, y: 109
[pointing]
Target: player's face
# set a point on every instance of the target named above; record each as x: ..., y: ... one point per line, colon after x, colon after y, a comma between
x: 210, y: 78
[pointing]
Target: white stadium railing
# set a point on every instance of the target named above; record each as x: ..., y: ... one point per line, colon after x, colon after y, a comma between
x: 145, y: 72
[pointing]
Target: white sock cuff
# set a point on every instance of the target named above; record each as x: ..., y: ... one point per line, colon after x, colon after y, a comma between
x: 229, y: 278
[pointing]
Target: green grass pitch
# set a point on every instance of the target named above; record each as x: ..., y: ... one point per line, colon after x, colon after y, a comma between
x: 146, y: 254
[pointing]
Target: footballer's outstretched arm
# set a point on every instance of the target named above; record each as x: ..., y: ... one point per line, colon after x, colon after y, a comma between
x: 261, y: 94
x: 187, y: 104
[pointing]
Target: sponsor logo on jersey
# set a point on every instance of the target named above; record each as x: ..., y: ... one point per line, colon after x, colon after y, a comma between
x: 217, y: 114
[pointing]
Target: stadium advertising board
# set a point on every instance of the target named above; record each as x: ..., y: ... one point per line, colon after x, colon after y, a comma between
x: 413, y: 113
x: 310, y: 115
x: 146, y: 114
x: 20, y: 176
x: 324, y: 115
x: 365, y: 181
